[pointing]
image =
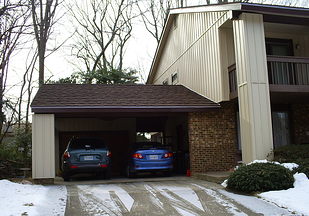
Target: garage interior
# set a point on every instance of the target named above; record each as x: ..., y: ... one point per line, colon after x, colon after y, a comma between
x: 118, y: 132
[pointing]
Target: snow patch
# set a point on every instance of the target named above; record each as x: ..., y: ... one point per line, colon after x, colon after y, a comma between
x: 18, y: 199
x: 294, y: 199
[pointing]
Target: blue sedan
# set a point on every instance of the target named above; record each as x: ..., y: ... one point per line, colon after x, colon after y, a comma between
x: 149, y: 157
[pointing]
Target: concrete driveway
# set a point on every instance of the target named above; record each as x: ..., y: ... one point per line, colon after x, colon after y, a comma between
x: 178, y: 195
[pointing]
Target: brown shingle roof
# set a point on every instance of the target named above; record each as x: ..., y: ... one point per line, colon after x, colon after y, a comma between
x: 76, y: 96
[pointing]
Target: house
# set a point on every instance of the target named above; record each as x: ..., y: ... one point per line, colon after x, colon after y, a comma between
x: 228, y: 83
x: 253, y: 60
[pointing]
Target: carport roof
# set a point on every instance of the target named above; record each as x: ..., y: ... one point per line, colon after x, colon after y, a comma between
x: 68, y: 98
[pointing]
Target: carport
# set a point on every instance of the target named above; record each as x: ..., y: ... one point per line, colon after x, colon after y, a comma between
x: 114, y: 112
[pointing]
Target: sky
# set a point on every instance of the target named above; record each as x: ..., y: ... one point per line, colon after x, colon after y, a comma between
x: 139, y: 53
x: 16, y: 198
x: 60, y: 64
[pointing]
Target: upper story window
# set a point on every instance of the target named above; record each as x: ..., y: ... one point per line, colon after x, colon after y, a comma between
x: 280, y: 47
x: 175, y: 78
x: 165, y: 82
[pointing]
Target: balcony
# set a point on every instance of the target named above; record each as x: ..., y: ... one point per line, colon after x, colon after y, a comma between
x: 283, y: 70
x: 286, y: 74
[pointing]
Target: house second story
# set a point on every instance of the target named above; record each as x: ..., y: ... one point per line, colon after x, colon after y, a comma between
x: 200, y: 46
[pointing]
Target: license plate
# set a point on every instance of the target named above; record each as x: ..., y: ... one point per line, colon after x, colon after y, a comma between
x: 89, y: 157
x: 153, y: 157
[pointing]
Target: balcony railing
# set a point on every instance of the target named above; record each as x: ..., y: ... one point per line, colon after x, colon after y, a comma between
x: 282, y: 70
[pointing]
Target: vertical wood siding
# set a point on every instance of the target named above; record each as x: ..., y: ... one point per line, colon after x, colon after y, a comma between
x: 199, y: 66
x: 43, y: 146
x: 253, y: 91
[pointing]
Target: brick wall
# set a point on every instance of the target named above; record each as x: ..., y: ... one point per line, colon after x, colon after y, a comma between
x: 212, y: 139
x: 301, y: 122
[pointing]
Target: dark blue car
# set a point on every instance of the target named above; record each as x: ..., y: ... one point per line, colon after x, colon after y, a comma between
x: 149, y: 157
x: 86, y: 155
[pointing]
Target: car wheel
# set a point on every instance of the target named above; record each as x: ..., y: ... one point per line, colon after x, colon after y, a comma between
x: 66, y: 176
x: 129, y: 173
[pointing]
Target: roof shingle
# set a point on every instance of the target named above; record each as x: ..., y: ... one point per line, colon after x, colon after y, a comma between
x: 111, y: 96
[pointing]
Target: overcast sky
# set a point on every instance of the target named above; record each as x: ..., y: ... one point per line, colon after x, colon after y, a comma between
x: 139, y: 54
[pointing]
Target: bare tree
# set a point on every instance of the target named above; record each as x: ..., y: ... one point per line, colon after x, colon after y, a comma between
x: 26, y: 83
x: 102, y: 31
x: 154, y: 14
x: 43, y: 15
x: 13, y: 18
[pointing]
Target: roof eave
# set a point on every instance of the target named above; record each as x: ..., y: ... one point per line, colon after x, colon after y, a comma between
x: 165, y: 109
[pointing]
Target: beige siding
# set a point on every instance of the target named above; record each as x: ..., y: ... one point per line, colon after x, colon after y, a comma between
x: 253, y: 91
x: 227, y: 58
x: 301, y: 39
x: 43, y: 146
x: 193, y: 50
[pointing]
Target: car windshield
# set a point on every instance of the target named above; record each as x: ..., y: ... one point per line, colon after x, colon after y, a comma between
x: 87, y: 143
x: 147, y: 145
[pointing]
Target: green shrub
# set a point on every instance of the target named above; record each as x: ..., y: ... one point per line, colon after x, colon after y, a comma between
x: 260, y: 177
x: 291, y: 153
x: 298, y: 154
x: 303, y: 166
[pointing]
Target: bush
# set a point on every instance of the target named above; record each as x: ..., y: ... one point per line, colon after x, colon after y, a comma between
x: 260, y: 177
x: 291, y: 153
x: 303, y: 166
x: 298, y: 154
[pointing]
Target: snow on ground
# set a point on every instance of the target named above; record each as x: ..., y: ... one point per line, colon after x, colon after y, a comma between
x: 24, y: 199
x: 294, y: 199
x: 21, y: 199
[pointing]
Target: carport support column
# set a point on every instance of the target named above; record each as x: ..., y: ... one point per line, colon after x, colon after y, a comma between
x: 253, y: 89
x: 43, y: 148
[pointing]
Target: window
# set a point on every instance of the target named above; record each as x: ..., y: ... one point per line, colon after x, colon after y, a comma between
x: 165, y: 82
x: 281, y: 47
x: 281, y: 128
x: 175, y: 78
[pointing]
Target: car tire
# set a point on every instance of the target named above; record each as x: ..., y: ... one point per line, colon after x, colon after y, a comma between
x: 129, y: 173
x: 66, y: 176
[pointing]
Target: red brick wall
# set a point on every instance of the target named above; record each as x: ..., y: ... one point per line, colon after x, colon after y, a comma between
x: 212, y: 140
x: 301, y: 122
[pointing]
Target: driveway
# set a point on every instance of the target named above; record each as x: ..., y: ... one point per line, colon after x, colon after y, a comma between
x: 159, y: 196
